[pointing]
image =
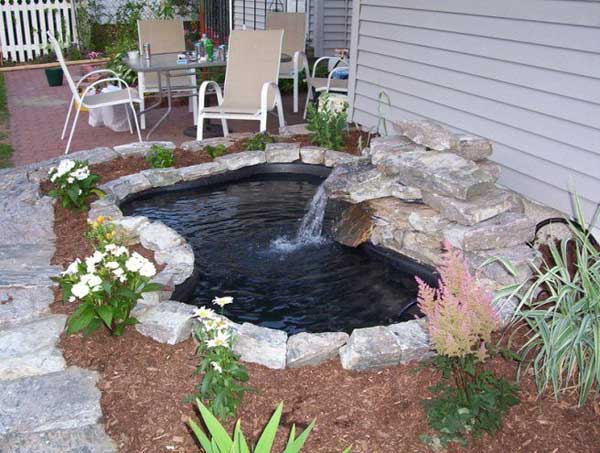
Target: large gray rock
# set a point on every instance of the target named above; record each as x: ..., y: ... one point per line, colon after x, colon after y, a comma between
x: 128, y: 228
x: 243, y: 159
x: 282, y: 152
x: 168, y: 322
x: 413, y: 340
x: 521, y: 257
x: 30, y: 349
x: 261, y: 345
x: 335, y: 158
x: 95, y: 155
x: 19, y: 304
x: 137, y: 148
x: 160, y: 177
x: 198, y: 171
x: 427, y: 133
x: 27, y: 276
x: 372, y: 347
x: 106, y: 207
x: 473, y: 148
x: 475, y: 210
x: 491, y: 167
x: 388, y: 237
x: 126, y: 185
x: 422, y: 247
x: 391, y: 211
x: 23, y: 255
x: 443, y: 173
x: 26, y: 220
x: 157, y: 236
x: 314, y: 348
x: 87, y: 439
x: 314, y: 155
x: 179, y: 272
x: 195, y: 146
x: 182, y: 254
x: 505, y: 230
x: 427, y: 220
x: 64, y: 400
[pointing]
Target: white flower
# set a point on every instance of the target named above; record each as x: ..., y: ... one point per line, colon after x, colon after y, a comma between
x: 221, y: 324
x: 80, y: 290
x: 210, y: 324
x: 92, y: 280
x: 73, y: 268
x: 116, y: 250
x: 70, y: 180
x: 97, y: 256
x: 222, y: 301
x: 120, y: 274
x: 217, y: 367
x: 135, y: 262
x: 204, y: 313
x: 64, y: 167
x: 148, y: 269
x: 81, y: 173
x: 221, y: 339
x: 72, y: 299
x: 113, y: 265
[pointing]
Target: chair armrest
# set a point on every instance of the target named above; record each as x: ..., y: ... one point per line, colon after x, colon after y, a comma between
x: 109, y: 79
x: 202, y: 93
x: 299, y: 60
x: 97, y: 71
x: 264, y: 95
x: 321, y: 59
x: 333, y: 71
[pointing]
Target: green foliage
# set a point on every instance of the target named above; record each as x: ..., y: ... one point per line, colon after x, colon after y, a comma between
x: 73, y: 184
x: 220, y: 442
x: 326, y: 124
x: 3, y: 104
x: 6, y: 151
x: 563, y: 344
x: 258, y: 142
x: 471, y: 407
x: 160, y: 157
x: 101, y: 232
x: 222, y: 373
x: 215, y: 151
x: 107, y: 285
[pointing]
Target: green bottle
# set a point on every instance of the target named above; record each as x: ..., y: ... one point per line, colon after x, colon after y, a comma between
x: 208, y: 48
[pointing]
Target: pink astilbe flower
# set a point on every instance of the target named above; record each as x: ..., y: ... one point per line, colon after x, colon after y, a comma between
x: 459, y: 312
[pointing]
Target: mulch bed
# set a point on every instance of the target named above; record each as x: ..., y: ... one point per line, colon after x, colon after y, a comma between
x: 144, y: 382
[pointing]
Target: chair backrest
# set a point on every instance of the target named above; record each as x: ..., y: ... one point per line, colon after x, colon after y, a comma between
x: 163, y: 36
x: 59, y: 56
x: 294, y: 38
x: 254, y: 58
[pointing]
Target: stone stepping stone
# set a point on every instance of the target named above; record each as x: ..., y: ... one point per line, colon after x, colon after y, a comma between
x: 305, y: 349
x: 28, y: 276
x: 87, y: 439
x: 20, y: 304
x: 12, y: 255
x: 65, y: 400
x: 255, y: 344
x: 370, y: 347
x: 167, y: 322
x: 30, y: 349
x: 282, y: 152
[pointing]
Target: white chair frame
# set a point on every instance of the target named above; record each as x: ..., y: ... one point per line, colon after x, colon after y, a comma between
x: 327, y: 88
x: 300, y: 62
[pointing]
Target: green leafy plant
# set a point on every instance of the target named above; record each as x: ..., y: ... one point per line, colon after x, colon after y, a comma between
x: 563, y: 325
x: 73, y: 184
x: 160, y: 157
x: 215, y: 151
x: 107, y: 285
x: 327, y: 123
x: 222, y: 373
x: 461, y: 319
x: 258, y: 142
x: 101, y: 232
x: 220, y: 442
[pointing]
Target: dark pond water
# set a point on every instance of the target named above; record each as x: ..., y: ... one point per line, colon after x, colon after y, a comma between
x: 241, y: 232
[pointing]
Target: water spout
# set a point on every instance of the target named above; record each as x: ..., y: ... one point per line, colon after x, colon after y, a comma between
x: 311, y: 227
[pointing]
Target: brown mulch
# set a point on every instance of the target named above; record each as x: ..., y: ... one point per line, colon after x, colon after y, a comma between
x: 143, y: 384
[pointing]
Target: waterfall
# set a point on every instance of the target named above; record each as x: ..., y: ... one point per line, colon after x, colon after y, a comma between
x: 312, y: 224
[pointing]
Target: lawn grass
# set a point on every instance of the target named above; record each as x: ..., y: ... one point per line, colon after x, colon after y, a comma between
x: 5, y: 147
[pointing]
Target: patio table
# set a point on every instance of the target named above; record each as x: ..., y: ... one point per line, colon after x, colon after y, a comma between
x: 167, y: 65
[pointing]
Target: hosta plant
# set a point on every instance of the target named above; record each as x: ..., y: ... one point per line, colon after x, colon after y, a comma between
x: 559, y: 312
x: 160, y: 156
x: 461, y: 319
x: 107, y: 286
x: 328, y: 123
x: 73, y: 183
x: 218, y: 441
x: 222, y: 373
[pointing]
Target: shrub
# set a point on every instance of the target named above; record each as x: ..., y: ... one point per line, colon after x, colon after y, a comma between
x: 258, y: 142
x: 563, y: 335
x: 73, y: 183
x: 461, y: 320
x: 223, y: 374
x: 107, y: 284
x: 215, y: 151
x: 327, y: 123
x: 160, y: 157
x: 221, y: 442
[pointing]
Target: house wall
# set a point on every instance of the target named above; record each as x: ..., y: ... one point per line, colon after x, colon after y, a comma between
x: 524, y: 74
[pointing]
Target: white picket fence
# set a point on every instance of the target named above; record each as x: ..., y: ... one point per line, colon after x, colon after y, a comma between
x: 24, y: 23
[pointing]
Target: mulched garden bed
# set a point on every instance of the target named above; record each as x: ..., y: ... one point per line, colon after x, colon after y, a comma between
x: 144, y: 382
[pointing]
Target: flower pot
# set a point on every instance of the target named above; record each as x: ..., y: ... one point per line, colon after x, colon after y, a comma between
x: 54, y: 76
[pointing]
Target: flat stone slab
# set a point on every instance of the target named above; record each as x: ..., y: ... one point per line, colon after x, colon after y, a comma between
x: 491, y: 167
x: 167, y: 322
x: 28, y: 276
x: 16, y: 255
x: 509, y: 229
x: 309, y: 349
x: 372, y: 347
x: 128, y: 228
x: 261, y: 345
x: 19, y: 304
x: 422, y: 247
x: 427, y: 220
x: 87, y: 439
x: 294, y: 129
x: 335, y: 158
x: 243, y: 159
x: 198, y: 171
x: 157, y: 236
x: 65, y: 400
x: 473, y: 148
x: 282, y: 152
x: 314, y: 155
x: 427, y: 133
x: 30, y: 349
x: 95, y: 155
x: 126, y: 185
x: 477, y: 209
x: 521, y: 257
x: 195, y: 145
x: 354, y: 227
x: 136, y: 148
x: 443, y: 173
x: 160, y: 177
x: 413, y: 340
x: 106, y: 207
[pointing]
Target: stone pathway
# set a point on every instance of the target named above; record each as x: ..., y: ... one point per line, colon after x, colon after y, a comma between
x: 44, y: 406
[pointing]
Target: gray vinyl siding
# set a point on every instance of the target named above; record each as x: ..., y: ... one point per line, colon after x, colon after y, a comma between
x: 525, y: 74
x: 333, y: 26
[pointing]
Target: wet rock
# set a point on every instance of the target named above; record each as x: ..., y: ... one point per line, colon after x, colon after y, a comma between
x: 443, y: 173
x: 335, y: 158
x: 22, y: 303
x: 413, y: 339
x: 390, y: 211
x: 307, y: 349
x: 243, y: 159
x: 282, y: 152
x: 372, y: 347
x: 312, y: 155
x: 137, y: 148
x: 473, y: 148
x: 160, y: 177
x: 167, y: 322
x: 505, y: 230
x: 157, y: 236
x: 521, y: 257
x: 67, y: 399
x: 198, y: 171
x: 30, y: 349
x: 267, y: 347
x: 388, y: 237
x: 427, y: 133
x: 126, y: 185
x: 354, y: 227
x: 475, y: 210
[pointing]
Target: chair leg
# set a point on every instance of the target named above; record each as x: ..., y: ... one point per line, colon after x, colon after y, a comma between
x: 64, y: 131
x: 263, y: 122
x: 142, y: 116
x: 135, y: 120
x: 129, y: 119
x: 280, y: 114
x: 194, y: 106
x: 200, y: 128
x: 296, y: 90
x: 308, y: 99
x: 225, y: 127
x: 72, y: 131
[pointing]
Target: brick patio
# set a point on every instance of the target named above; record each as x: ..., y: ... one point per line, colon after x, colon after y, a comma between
x: 37, y: 114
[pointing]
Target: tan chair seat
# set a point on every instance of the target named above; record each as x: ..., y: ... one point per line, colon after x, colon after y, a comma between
x: 113, y: 96
x: 320, y: 84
